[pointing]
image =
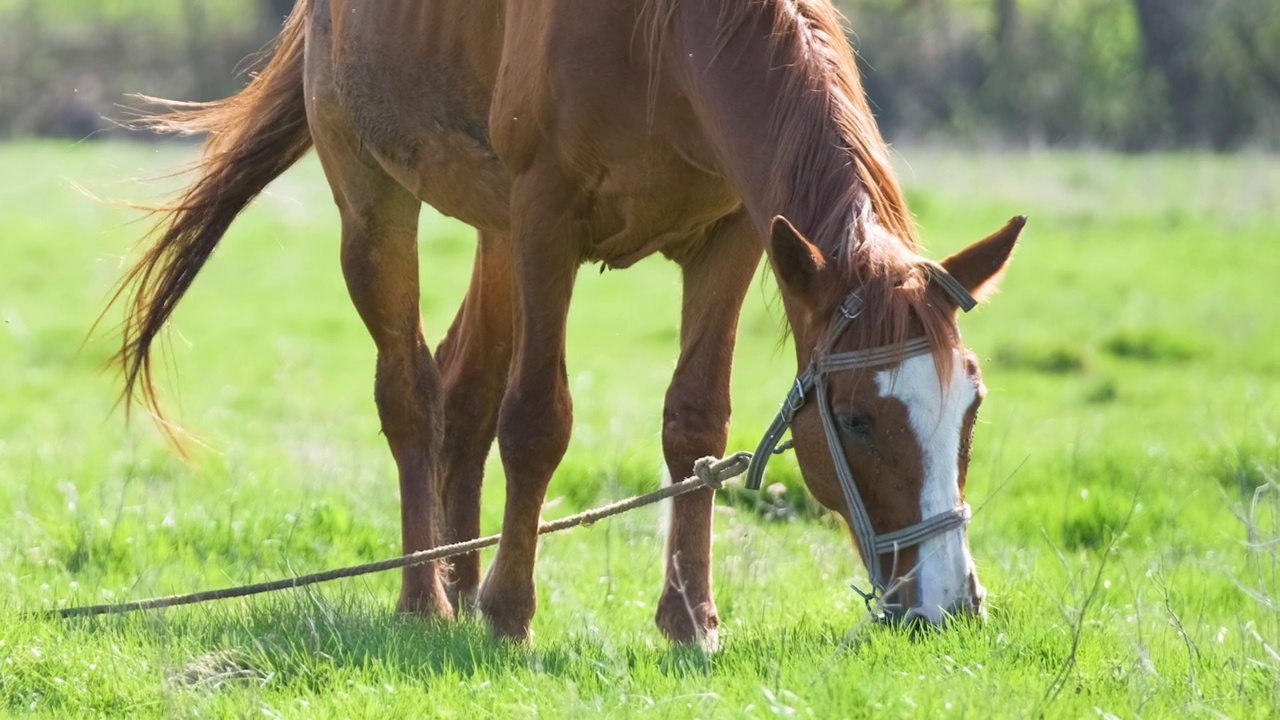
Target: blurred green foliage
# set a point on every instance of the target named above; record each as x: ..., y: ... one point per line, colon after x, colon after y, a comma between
x: 1122, y: 74
x: 1126, y: 74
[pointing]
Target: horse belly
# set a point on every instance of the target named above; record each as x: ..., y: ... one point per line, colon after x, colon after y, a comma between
x: 460, y: 180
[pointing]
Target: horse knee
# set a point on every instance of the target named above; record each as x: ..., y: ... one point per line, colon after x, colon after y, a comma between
x: 534, y: 430
x: 691, y: 429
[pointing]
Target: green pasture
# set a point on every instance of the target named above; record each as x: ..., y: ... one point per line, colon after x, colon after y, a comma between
x: 1125, y: 472
x: 168, y: 15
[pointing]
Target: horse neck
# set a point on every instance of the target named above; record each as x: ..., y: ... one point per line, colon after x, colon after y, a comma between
x: 775, y: 100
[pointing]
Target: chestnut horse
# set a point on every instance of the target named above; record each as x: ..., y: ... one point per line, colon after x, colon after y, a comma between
x: 572, y: 131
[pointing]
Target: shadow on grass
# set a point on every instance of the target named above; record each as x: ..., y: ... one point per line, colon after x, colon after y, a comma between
x: 315, y: 642
x: 312, y: 640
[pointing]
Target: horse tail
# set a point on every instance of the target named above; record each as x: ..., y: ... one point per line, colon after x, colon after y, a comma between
x: 253, y: 137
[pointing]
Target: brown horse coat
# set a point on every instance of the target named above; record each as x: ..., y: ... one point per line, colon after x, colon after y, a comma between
x: 569, y: 131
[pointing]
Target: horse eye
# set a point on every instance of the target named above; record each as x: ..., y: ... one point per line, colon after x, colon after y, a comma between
x: 857, y: 425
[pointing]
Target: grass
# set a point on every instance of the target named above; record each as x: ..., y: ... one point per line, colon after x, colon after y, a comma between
x: 1126, y: 469
x: 166, y: 15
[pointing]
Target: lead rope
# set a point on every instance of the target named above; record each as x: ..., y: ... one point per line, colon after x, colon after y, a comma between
x: 708, y: 472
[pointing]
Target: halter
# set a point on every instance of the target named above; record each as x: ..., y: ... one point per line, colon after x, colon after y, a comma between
x: 871, y: 545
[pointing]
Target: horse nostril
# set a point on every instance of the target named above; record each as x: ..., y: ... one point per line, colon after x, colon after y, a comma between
x: 978, y: 604
x: 971, y: 607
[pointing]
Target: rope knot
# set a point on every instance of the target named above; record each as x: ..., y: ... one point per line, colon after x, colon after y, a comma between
x: 713, y: 472
x: 705, y: 471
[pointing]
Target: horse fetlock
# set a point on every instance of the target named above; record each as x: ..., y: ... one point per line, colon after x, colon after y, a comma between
x: 422, y: 594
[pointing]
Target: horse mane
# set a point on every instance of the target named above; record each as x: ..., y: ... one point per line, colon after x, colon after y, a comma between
x: 864, y: 226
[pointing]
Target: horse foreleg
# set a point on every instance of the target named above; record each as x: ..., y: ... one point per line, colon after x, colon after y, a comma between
x: 536, y: 416
x: 696, y: 420
x: 474, y: 359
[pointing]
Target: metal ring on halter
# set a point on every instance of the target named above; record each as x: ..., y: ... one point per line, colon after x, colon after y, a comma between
x: 872, y: 599
x: 795, y: 399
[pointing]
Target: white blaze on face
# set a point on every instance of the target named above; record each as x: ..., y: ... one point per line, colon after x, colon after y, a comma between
x: 936, y: 413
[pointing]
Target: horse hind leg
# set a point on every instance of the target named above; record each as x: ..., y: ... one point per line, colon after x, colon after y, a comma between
x: 696, y: 421
x: 474, y: 358
x: 380, y: 266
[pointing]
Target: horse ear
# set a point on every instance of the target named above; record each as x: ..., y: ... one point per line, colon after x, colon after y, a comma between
x: 980, y: 266
x: 796, y: 261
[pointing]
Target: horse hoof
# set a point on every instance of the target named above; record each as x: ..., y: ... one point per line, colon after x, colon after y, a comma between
x: 515, y: 632
x: 463, y: 601
x: 686, y: 624
x: 507, y: 625
x: 508, y: 614
x: 430, y: 606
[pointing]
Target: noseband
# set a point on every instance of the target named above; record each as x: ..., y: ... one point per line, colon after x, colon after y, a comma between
x: 871, y: 545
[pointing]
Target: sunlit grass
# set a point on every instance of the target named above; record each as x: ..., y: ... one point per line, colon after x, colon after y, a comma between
x: 1132, y: 362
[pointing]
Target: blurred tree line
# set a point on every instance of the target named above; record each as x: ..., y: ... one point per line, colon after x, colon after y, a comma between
x: 1124, y: 74
x: 68, y: 67
x: 1127, y: 74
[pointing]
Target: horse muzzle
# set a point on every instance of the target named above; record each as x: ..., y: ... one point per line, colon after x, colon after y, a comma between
x: 937, y: 616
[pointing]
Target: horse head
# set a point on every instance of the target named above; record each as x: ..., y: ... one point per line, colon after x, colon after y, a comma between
x: 883, y: 408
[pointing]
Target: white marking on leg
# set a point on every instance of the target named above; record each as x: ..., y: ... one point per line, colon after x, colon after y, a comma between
x: 665, y: 510
x: 936, y: 414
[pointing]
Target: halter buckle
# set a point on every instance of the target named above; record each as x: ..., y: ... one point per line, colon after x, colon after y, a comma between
x: 851, y: 310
